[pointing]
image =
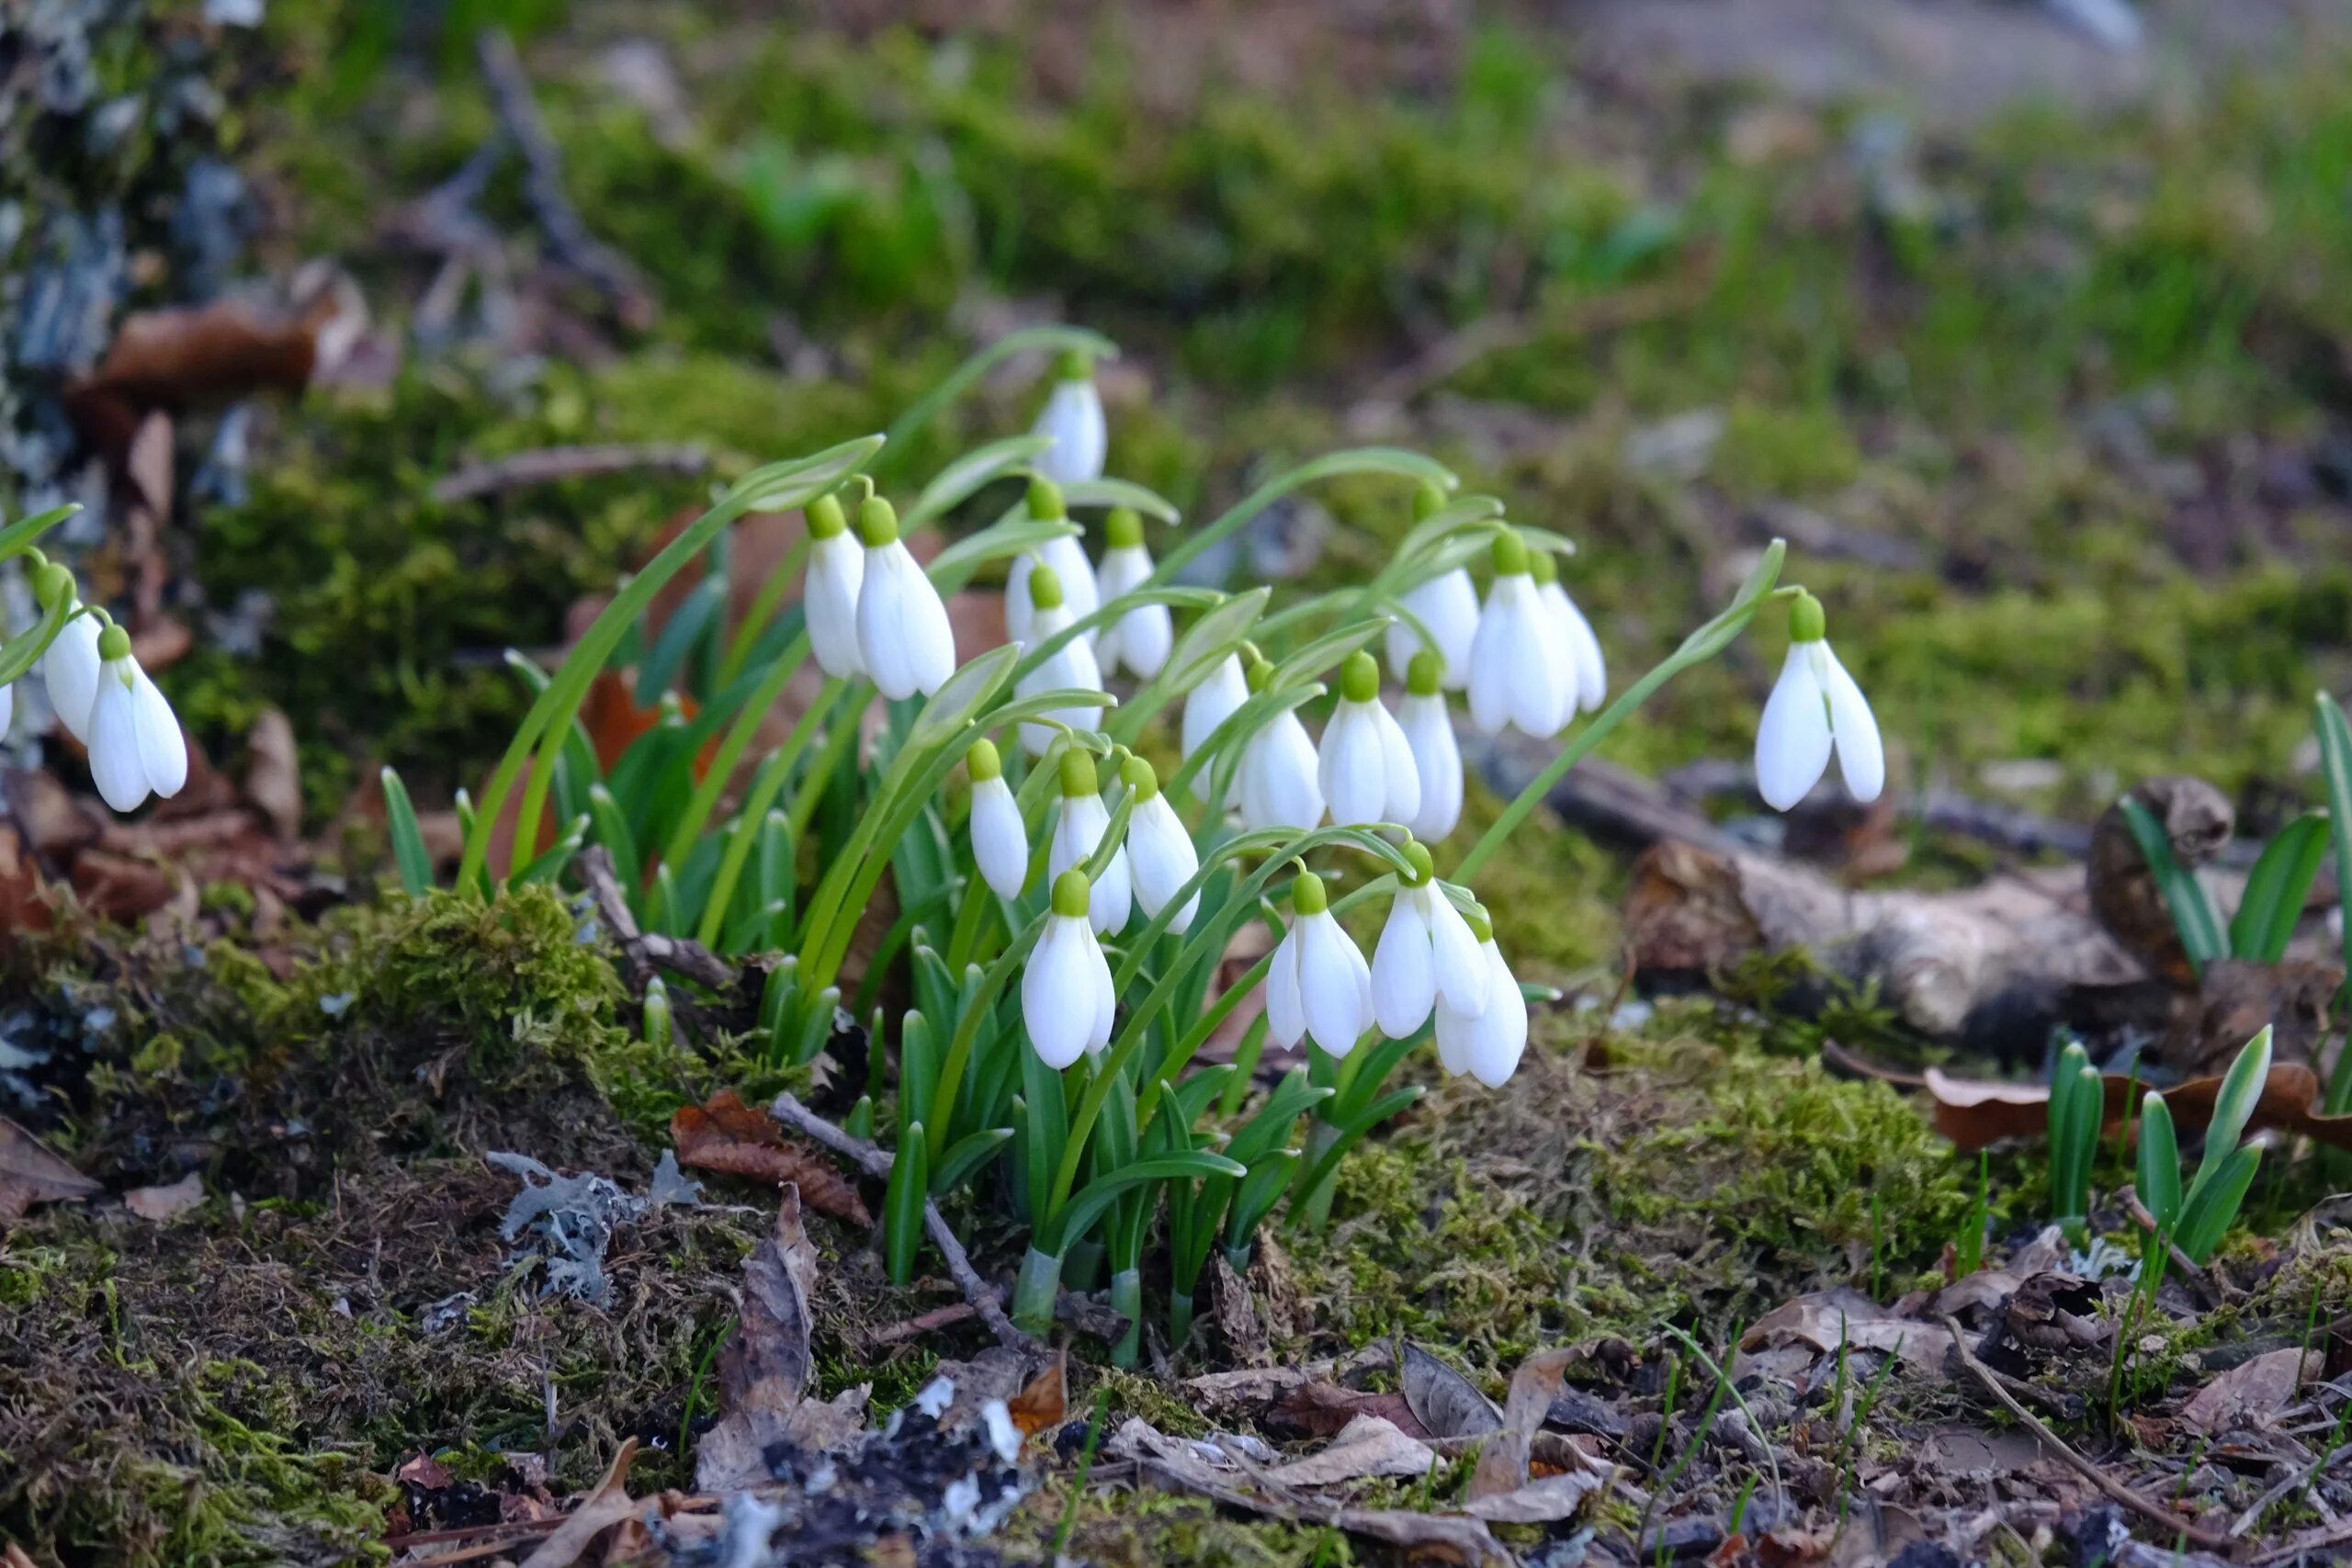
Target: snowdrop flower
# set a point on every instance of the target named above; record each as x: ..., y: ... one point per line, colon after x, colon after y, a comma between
x: 1070, y: 667
x: 1066, y: 1002
x: 1064, y: 554
x: 999, y: 842
x: 1587, y: 670
x: 1488, y: 1046
x: 1080, y: 820
x: 1447, y: 605
x: 1223, y: 690
x: 1073, y: 417
x: 69, y: 666
x: 1437, y: 756
x: 1365, y: 769
x: 1280, y: 778
x: 1141, y: 638
x: 1319, y: 986
x: 1517, y: 667
x: 836, y: 572
x: 903, y: 637
x: 1815, y: 708
x: 1159, y: 852
x: 135, y: 742
x: 1425, y: 951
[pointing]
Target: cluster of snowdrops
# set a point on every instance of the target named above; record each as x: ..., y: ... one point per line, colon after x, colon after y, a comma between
x: 1064, y: 909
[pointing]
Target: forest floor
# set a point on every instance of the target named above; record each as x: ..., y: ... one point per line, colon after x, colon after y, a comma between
x: 2054, y: 400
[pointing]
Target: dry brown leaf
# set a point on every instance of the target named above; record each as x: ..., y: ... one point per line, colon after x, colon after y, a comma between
x: 2253, y: 1393
x: 1973, y: 1112
x: 1502, y: 1463
x: 1829, y: 1318
x: 1366, y: 1447
x: 727, y: 1135
x: 161, y: 1203
x: 607, y: 1505
x: 1321, y: 1410
x: 273, y: 775
x: 1448, y: 1403
x: 1045, y: 1402
x: 30, y: 1173
x: 764, y: 1367
x: 1540, y: 1502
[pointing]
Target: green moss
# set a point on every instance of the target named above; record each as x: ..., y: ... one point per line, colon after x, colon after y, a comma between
x: 1767, y: 452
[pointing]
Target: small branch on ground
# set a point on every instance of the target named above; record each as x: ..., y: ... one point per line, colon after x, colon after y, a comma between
x: 549, y: 464
x: 2189, y: 1266
x: 2212, y: 1541
x: 518, y: 111
x: 877, y: 1163
x: 646, y: 953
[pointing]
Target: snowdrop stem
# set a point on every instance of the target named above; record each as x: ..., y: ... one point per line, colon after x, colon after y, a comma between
x: 764, y: 792
x: 1103, y: 614
x: 1697, y: 648
x: 756, y: 620
x: 1053, y: 338
x: 24, y: 648
x: 779, y: 486
x: 951, y: 1067
x: 1393, y: 460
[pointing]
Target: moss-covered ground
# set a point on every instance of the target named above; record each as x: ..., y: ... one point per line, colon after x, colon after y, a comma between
x: 2055, y: 407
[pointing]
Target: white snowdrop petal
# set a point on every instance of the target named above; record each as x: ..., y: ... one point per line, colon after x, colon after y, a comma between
x: 1073, y: 417
x: 1591, y: 664
x: 1000, y: 841
x: 1286, y: 1013
x: 8, y: 708
x: 1544, y: 684
x: 1862, y: 755
x: 1448, y: 605
x: 1453, y: 1039
x: 1500, y: 1036
x: 1079, y: 822
x: 1113, y: 899
x: 1460, y: 965
x: 1211, y: 703
x: 1399, y: 771
x: 1404, y: 981
x: 1056, y: 971
x: 1437, y: 765
x: 1327, y: 989
x: 1349, y: 766
x: 1792, y: 739
x: 836, y: 573
x: 1105, y: 1011
x: 70, y: 668
x: 116, y: 766
x: 1278, y: 786
x: 1494, y: 651
x: 1162, y: 856
x: 163, y: 750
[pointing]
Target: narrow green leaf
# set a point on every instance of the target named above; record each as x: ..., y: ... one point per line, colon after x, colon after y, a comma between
x: 2193, y: 915
x: 902, y: 1205
x: 2275, y: 888
x: 2159, y: 1161
x: 408, y: 838
x: 683, y: 629
x: 2207, y: 1213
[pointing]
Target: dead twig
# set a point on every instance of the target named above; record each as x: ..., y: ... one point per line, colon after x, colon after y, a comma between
x: 924, y: 1323
x: 547, y: 465
x: 647, y: 954
x: 877, y: 1163
x: 518, y: 111
x: 2184, y: 1264
x: 2211, y: 1539
x: 2301, y: 1477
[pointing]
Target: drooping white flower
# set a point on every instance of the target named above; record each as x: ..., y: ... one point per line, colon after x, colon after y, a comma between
x: 1815, y: 708
x: 904, y: 639
x: 1160, y: 855
x: 1080, y: 821
x: 1064, y: 554
x: 1141, y: 638
x: 1587, y: 668
x: 1066, y: 1002
x: 1073, y: 417
x: 836, y: 572
x: 1448, y: 605
x: 1280, y: 780
x: 1223, y: 689
x: 8, y: 708
x: 1069, y: 667
x: 1517, y: 668
x: 135, y: 743
x: 1488, y: 1046
x: 1318, y: 987
x: 1425, y: 951
x: 1365, y: 767
x: 1437, y: 756
x: 70, y: 668
x: 999, y: 841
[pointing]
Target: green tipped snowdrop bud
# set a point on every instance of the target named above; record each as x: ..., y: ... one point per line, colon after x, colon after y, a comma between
x: 1815, y: 709
x: 1365, y: 768
x: 1066, y: 1002
x: 1140, y: 639
x: 1072, y: 420
x: 905, y: 642
x: 1318, y: 986
x: 136, y: 748
x: 1159, y: 852
x: 836, y: 576
x: 1081, y: 821
x: 1426, y: 955
x: 1000, y: 840
x: 1487, y: 1043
